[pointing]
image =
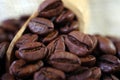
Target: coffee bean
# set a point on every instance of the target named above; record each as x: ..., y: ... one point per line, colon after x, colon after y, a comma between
x: 21, y: 68
x: 49, y: 74
x: 80, y: 43
x: 3, y: 35
x: 56, y: 45
x: 50, y: 8
x: 69, y: 27
x: 3, y: 49
x: 32, y: 51
x: 88, y: 60
x: 109, y: 63
x: 64, y: 61
x: 26, y: 38
x: 110, y: 58
x: 82, y: 74
x: 65, y: 16
x: 96, y: 73
x: 10, y: 25
x: 41, y: 26
x: 106, y: 46
x: 7, y: 76
x: 51, y: 36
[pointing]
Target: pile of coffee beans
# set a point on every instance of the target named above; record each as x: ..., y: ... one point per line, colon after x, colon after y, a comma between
x: 52, y: 48
x: 8, y: 29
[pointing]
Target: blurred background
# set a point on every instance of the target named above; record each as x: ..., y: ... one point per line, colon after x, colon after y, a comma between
x: 104, y: 14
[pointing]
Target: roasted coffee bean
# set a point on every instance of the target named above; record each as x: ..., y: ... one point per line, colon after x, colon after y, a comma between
x: 3, y: 35
x: 10, y: 25
x: 21, y: 68
x: 32, y: 51
x: 51, y: 36
x: 109, y: 63
x: 56, y: 45
x: 88, y: 61
x: 106, y: 46
x: 7, y: 76
x: 41, y: 26
x: 26, y: 38
x: 3, y: 49
x: 69, y: 27
x: 109, y: 77
x: 64, y: 61
x: 65, y: 16
x: 82, y: 74
x: 110, y: 58
x: 50, y: 8
x: 49, y: 74
x: 96, y: 73
x: 80, y: 43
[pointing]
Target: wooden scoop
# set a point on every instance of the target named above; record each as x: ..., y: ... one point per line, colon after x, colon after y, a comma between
x: 79, y: 7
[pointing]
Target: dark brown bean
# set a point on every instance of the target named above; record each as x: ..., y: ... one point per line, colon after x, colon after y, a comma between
x: 88, y: 61
x: 56, y: 45
x: 26, y: 38
x: 64, y: 61
x: 20, y: 68
x: 65, y: 16
x: 7, y: 76
x: 49, y: 74
x: 106, y: 46
x: 3, y: 35
x: 96, y: 73
x: 80, y: 43
x: 82, y: 74
x: 50, y: 8
x: 32, y: 51
x: 69, y: 27
x: 3, y: 49
x: 10, y: 25
x: 41, y: 26
x: 51, y: 36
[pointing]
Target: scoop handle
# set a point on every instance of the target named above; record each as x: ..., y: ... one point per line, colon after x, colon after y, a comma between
x: 80, y: 8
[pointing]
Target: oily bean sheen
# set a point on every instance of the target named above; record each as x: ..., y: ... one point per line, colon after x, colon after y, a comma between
x: 21, y: 69
x: 32, y: 51
x: 41, y: 26
x: 50, y: 8
x: 49, y: 74
x: 64, y: 61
